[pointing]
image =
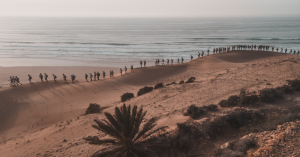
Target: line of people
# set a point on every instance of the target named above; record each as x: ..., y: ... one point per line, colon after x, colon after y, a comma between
x: 157, y: 61
x: 45, y: 76
x: 14, y: 81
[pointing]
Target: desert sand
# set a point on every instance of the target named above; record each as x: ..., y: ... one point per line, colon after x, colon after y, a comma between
x: 47, y: 119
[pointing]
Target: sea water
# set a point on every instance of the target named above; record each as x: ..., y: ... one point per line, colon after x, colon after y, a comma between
x: 89, y: 41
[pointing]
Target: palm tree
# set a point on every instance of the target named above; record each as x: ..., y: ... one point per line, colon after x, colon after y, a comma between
x: 128, y: 140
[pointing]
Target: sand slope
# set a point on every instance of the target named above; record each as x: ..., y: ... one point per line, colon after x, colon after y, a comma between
x: 38, y: 117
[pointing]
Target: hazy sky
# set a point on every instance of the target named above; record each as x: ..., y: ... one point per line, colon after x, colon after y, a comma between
x: 149, y: 8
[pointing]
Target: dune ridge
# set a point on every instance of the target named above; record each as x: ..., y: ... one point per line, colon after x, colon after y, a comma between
x: 38, y: 112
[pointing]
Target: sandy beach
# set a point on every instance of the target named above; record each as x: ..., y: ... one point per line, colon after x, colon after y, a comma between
x: 36, y: 119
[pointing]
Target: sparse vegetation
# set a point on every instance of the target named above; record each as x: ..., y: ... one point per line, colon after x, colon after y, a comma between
x: 194, y: 112
x: 181, y: 82
x: 294, y: 83
x: 191, y: 80
x: 236, y: 148
x: 211, y: 107
x: 231, y: 102
x: 126, y: 96
x: 144, y: 90
x: 93, y: 108
x: 170, y: 83
x: 159, y: 85
x: 128, y: 138
x: 286, y: 89
x: 269, y: 95
x: 249, y: 99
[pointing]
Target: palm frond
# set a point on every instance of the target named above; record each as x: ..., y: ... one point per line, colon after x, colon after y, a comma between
x: 163, y: 128
x: 113, y: 121
x: 107, y: 129
x: 96, y: 141
x: 139, y: 118
x: 147, y: 127
x: 107, y: 153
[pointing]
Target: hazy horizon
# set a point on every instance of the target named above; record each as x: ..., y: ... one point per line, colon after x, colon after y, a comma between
x: 149, y: 8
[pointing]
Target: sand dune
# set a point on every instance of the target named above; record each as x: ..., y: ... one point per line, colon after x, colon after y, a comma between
x: 26, y: 109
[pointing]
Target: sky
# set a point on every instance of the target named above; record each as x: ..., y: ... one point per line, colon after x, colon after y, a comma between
x: 149, y: 8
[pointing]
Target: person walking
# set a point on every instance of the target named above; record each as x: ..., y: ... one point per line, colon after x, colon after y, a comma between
x: 181, y: 60
x: 98, y: 75
x: 86, y: 77
x: 178, y: 61
x: 202, y: 54
x: 121, y: 71
x: 103, y: 74
x: 46, y: 77
x: 168, y: 61
x: 11, y: 81
x: 144, y: 63
x: 131, y: 68
x: 41, y: 77
x: 54, y: 77
x: 141, y: 63
x: 125, y: 69
x: 65, y: 78
x: 191, y: 57
x: 18, y: 80
x: 95, y: 75
x: 91, y: 77
x: 171, y: 61
x: 73, y: 78
x: 29, y: 79
x: 198, y: 54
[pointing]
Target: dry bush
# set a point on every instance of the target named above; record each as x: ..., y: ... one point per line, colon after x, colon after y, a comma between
x: 181, y: 82
x: 223, y: 103
x: 286, y: 89
x: 93, y: 108
x: 194, y: 112
x: 126, y: 96
x: 237, y: 148
x: 159, y: 85
x: 294, y: 83
x: 144, y: 90
x: 231, y: 102
x: 269, y: 95
x: 191, y: 80
x: 170, y: 83
x: 211, y: 107
x: 249, y: 99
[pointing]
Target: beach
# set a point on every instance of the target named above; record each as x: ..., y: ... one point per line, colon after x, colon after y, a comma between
x: 37, y: 118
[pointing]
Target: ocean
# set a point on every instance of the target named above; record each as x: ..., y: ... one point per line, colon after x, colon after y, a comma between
x: 89, y: 41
